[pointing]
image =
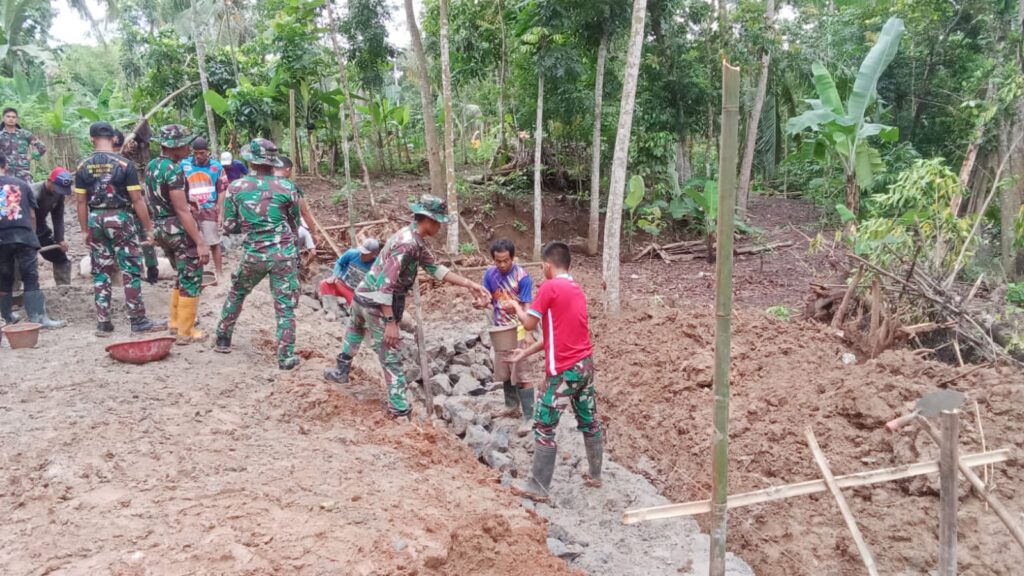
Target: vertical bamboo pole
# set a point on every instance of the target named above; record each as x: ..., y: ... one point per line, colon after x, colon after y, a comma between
x: 293, y: 133
x: 948, y: 458
x: 723, y: 313
x: 421, y: 346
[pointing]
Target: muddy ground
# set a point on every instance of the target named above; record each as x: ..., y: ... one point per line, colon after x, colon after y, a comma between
x: 209, y: 464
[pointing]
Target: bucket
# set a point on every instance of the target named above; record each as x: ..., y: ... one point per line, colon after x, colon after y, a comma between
x: 503, y: 338
x: 209, y: 278
x: 23, y: 334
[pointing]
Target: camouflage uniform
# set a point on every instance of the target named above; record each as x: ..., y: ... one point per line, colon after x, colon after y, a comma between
x: 137, y: 150
x: 574, y: 386
x: 15, y: 146
x: 264, y: 209
x: 389, y: 279
x: 106, y: 179
x: 162, y: 176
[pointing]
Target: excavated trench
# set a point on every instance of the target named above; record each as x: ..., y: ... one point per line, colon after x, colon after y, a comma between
x: 585, y: 526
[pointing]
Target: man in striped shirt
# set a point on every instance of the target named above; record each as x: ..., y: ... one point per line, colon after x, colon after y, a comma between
x: 561, y: 310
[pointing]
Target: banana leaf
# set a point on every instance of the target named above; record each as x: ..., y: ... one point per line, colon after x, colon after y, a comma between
x: 871, y: 69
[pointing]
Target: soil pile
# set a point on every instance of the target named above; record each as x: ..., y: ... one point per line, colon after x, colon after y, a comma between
x: 654, y: 382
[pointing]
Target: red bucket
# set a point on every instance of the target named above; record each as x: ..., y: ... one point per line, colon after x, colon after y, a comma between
x: 141, y: 351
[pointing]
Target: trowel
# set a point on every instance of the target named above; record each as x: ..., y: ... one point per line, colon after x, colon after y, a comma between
x: 929, y: 406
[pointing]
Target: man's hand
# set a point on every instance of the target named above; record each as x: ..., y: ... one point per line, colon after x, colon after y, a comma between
x: 511, y: 307
x: 204, y: 253
x: 516, y: 355
x: 63, y: 245
x: 391, y: 334
x: 480, y: 292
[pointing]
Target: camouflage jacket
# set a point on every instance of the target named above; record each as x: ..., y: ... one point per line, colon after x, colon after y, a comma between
x: 106, y: 179
x: 394, y: 270
x: 15, y: 146
x: 162, y: 176
x: 266, y: 210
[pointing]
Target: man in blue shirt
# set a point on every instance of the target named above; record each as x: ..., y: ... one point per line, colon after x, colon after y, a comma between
x: 207, y: 183
x: 235, y: 169
x: 349, y: 271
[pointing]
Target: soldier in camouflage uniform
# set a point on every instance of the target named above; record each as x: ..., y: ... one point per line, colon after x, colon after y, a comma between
x: 265, y: 209
x: 109, y: 199
x: 19, y: 146
x: 380, y: 298
x: 137, y: 150
x: 177, y: 231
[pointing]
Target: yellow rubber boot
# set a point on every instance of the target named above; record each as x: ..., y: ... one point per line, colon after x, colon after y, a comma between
x: 187, y: 332
x: 172, y: 320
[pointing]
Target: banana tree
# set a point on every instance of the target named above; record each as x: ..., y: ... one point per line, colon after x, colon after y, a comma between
x: 841, y: 131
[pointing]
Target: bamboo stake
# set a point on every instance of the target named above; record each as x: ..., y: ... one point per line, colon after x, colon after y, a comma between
x: 355, y: 225
x: 837, y: 320
x: 844, y: 508
x: 979, y: 487
x: 422, y: 347
x: 723, y: 315
x: 948, y: 492
x: 154, y: 110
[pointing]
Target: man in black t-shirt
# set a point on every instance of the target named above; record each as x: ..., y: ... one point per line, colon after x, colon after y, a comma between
x: 18, y: 248
x: 109, y: 200
x: 49, y: 196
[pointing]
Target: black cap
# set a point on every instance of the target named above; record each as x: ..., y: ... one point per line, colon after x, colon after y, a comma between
x: 200, y: 143
x: 101, y: 130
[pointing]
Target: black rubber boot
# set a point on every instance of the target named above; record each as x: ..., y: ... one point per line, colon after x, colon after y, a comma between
x: 526, y: 399
x: 7, y: 309
x: 536, y: 488
x: 152, y: 274
x: 62, y: 273
x: 511, y: 400
x: 595, y: 457
x: 339, y: 374
x: 144, y: 325
x: 105, y: 329
x: 223, y: 345
x: 288, y: 363
x: 35, y: 306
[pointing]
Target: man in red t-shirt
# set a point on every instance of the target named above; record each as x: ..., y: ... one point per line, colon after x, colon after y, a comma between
x: 561, y: 310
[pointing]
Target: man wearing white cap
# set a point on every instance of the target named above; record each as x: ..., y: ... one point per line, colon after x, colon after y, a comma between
x: 234, y: 169
x: 349, y: 271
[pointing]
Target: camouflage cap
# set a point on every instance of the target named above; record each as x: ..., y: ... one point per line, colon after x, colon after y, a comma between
x: 174, y: 136
x: 262, y: 151
x: 432, y: 207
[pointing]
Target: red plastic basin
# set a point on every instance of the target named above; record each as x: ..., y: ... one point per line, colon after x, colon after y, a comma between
x: 141, y: 351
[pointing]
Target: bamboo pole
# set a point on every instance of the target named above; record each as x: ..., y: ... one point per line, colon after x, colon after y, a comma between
x: 844, y: 508
x: 979, y: 487
x: 428, y: 392
x: 776, y: 493
x: 723, y: 314
x: 948, y: 453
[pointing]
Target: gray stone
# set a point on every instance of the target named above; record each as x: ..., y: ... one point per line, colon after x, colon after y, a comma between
x: 485, y: 339
x: 558, y: 548
x: 440, y: 408
x: 482, y: 418
x: 462, y: 360
x: 477, y: 438
x: 398, y: 544
x: 441, y: 383
x: 461, y: 348
x: 310, y: 302
x: 480, y: 372
x: 500, y: 461
x: 412, y: 373
x: 457, y: 370
x: 499, y: 439
x: 465, y: 385
x: 460, y: 415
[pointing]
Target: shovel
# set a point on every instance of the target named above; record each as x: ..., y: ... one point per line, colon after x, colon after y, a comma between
x: 929, y: 406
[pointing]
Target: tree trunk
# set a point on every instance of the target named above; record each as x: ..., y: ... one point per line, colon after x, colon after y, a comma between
x: 348, y: 102
x: 427, y: 102
x: 594, y: 229
x: 350, y: 194
x: 852, y: 194
x: 502, y: 66
x: 211, y: 125
x: 449, y: 135
x: 684, y: 169
x: 1010, y: 197
x: 293, y: 132
x: 538, y: 146
x: 617, y: 186
x: 344, y: 147
x: 747, y: 168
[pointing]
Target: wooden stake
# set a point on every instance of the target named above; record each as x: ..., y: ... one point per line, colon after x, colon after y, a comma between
x: 979, y: 487
x: 948, y: 492
x: 811, y: 487
x: 837, y: 320
x: 422, y: 346
x: 844, y: 508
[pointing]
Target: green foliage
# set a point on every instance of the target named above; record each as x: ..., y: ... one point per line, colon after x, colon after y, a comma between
x: 364, y: 28
x: 784, y: 313
x: 467, y: 248
x: 1015, y: 293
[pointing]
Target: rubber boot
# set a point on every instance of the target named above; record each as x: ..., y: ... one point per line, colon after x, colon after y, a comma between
x: 35, y: 306
x: 526, y: 398
x: 223, y: 345
x: 144, y: 325
x: 7, y: 309
x: 172, y: 320
x: 339, y: 374
x: 62, y: 273
x: 187, y: 331
x: 288, y: 363
x: 511, y: 398
x: 105, y: 329
x: 537, y: 487
x: 595, y: 456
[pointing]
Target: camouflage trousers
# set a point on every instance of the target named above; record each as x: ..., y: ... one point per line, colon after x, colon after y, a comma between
x: 574, y: 386
x: 284, y: 286
x: 113, y: 242
x: 370, y: 319
x: 184, y: 258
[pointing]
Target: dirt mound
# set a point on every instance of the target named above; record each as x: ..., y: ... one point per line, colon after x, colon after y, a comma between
x: 488, y: 544
x: 654, y: 382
